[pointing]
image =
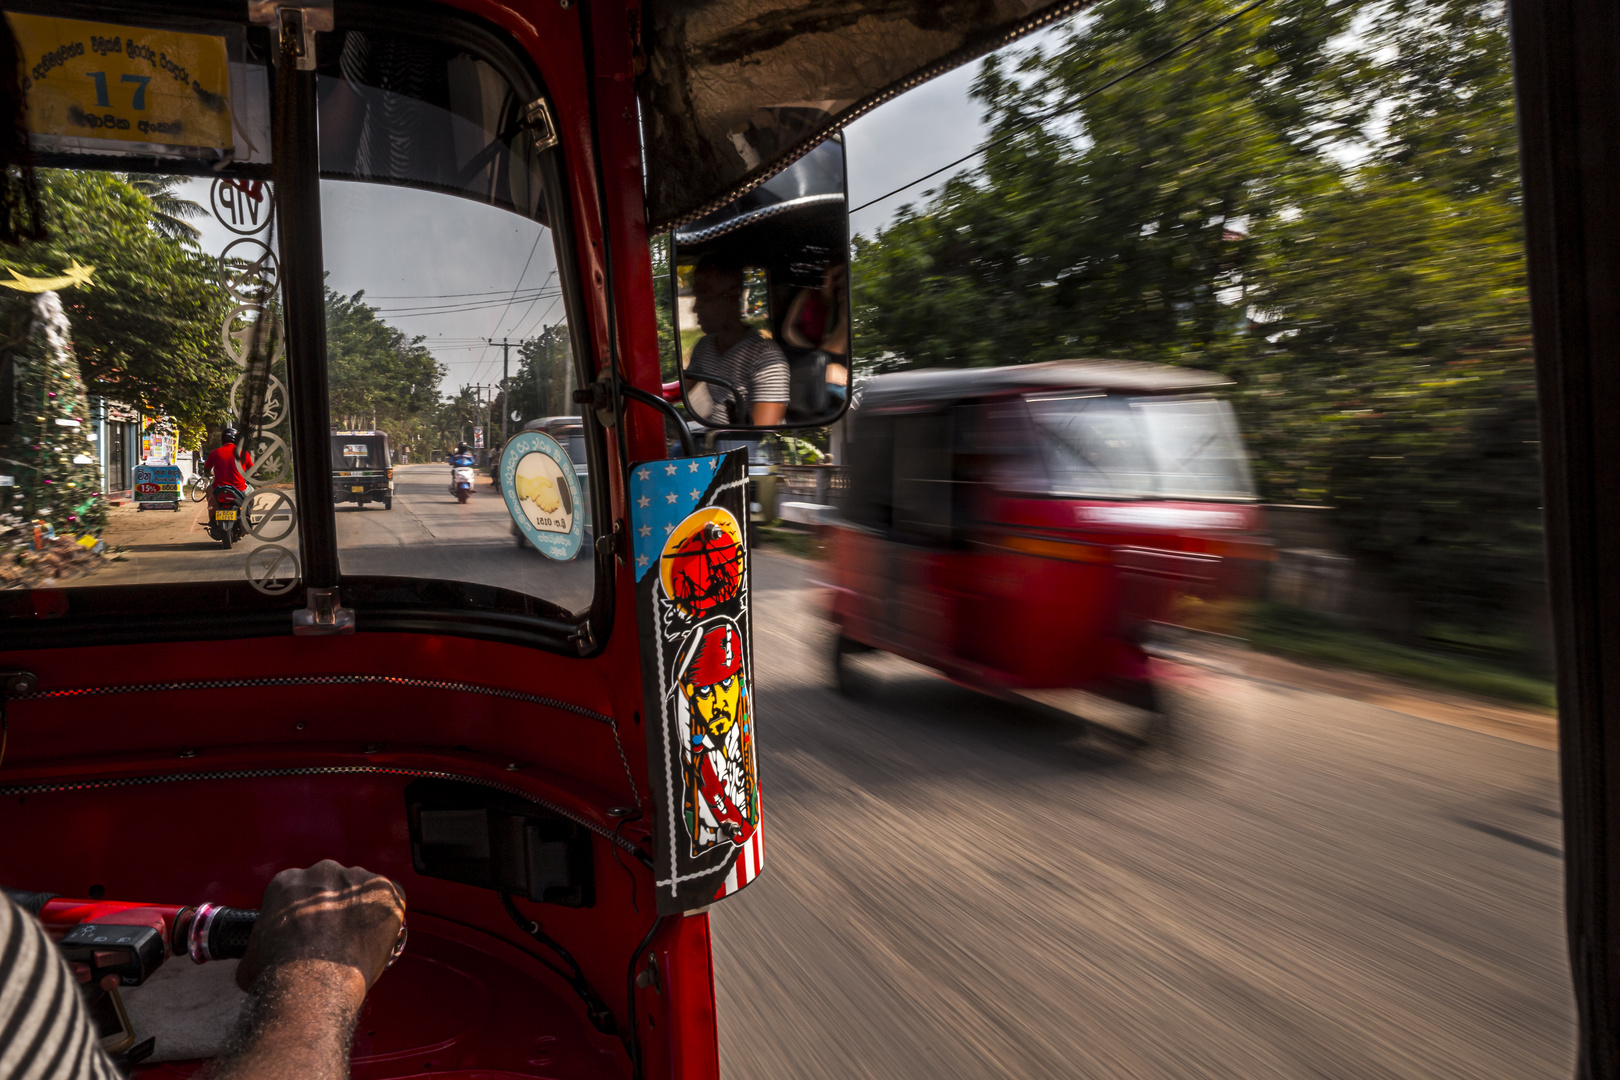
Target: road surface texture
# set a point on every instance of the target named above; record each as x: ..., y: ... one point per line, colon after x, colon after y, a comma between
x: 426, y: 534
x: 1319, y: 887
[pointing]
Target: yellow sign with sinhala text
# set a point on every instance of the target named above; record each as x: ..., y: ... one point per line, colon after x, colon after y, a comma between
x: 154, y: 91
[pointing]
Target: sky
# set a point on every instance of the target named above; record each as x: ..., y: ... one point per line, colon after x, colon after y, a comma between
x: 460, y: 273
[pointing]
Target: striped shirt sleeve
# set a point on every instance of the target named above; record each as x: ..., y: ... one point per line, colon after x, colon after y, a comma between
x: 45, y: 1032
x: 768, y: 371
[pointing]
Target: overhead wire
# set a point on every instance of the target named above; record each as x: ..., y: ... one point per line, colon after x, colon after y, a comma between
x: 1069, y: 107
x: 521, y: 275
x: 557, y: 292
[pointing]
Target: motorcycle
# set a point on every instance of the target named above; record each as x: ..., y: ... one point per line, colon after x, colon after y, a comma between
x: 461, y: 481
x: 227, y: 522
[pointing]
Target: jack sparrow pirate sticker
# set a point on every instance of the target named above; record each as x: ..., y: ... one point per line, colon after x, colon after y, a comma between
x: 688, y: 519
x: 542, y: 493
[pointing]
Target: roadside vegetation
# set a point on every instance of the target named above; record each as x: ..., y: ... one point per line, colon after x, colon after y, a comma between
x: 1306, y: 635
x: 1320, y: 201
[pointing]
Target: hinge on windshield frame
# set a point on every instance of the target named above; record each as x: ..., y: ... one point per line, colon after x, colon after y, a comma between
x: 537, y: 118
x: 294, y: 23
x: 323, y: 614
x: 599, y: 396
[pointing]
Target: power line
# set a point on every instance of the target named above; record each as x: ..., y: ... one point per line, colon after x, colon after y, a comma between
x: 1043, y: 117
x: 521, y: 275
x: 470, y: 305
x: 423, y: 313
x: 543, y: 285
x: 540, y: 321
x: 434, y: 296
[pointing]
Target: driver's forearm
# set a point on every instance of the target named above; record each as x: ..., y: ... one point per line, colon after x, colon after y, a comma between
x: 298, y: 1025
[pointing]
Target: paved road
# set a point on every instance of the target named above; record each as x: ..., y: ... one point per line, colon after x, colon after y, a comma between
x: 426, y: 534
x: 1323, y: 888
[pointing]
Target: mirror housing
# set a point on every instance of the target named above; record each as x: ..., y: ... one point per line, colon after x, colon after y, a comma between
x: 761, y: 301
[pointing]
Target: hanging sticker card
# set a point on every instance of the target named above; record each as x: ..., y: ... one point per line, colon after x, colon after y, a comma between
x: 688, y: 517
x: 100, y: 86
x: 543, y: 494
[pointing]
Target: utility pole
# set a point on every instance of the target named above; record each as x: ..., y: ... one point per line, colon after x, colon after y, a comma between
x: 506, y: 356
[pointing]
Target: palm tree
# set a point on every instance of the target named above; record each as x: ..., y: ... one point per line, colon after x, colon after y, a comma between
x: 169, y: 211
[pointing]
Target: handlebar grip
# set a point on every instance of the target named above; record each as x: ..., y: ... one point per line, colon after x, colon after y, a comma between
x: 213, y: 932
x: 228, y: 933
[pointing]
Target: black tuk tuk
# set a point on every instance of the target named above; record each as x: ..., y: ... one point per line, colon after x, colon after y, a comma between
x: 362, y: 470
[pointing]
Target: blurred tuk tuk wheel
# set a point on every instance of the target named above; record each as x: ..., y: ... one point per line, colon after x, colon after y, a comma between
x: 847, y: 677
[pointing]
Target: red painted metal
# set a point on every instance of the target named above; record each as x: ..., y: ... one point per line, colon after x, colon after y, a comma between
x: 1053, y: 593
x: 173, y: 793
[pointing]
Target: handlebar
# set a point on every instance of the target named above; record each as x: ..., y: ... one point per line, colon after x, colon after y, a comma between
x: 131, y: 940
x: 212, y: 932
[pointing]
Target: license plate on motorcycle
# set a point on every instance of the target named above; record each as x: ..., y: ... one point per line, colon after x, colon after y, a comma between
x: 224, y: 515
x: 357, y: 489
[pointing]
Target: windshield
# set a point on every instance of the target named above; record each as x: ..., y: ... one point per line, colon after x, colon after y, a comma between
x: 349, y: 452
x: 1195, y: 441
x: 144, y: 367
x: 1114, y: 446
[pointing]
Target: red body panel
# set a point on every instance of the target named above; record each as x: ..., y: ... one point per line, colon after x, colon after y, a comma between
x: 1046, y: 592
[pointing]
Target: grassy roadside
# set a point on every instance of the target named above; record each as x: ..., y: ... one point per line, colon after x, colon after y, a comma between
x: 1303, y: 635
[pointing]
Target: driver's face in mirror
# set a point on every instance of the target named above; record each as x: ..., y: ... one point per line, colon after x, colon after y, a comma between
x: 717, y: 300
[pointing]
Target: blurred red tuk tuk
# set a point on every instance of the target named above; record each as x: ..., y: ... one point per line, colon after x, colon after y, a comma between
x: 1025, y: 529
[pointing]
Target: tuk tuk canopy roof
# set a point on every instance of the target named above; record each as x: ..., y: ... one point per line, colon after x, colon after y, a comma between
x: 736, y: 90
x: 930, y: 386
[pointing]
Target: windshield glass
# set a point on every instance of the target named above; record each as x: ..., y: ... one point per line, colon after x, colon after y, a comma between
x: 1195, y: 441
x: 1092, y: 445
x: 1112, y: 446
x: 143, y: 412
x: 400, y: 109
x: 444, y: 314
x: 357, y: 452
x: 410, y: 316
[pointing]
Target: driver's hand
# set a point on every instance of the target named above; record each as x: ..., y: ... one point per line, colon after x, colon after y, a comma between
x: 341, y: 914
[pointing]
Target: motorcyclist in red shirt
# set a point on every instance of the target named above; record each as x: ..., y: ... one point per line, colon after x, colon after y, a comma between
x: 223, y: 467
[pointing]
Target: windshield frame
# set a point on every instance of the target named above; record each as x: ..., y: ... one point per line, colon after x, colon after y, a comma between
x: 91, y: 614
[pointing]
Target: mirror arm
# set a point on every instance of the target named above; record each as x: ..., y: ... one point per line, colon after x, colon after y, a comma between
x: 635, y: 393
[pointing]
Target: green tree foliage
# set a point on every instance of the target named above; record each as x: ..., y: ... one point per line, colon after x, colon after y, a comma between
x: 171, y: 213
x: 378, y: 377
x: 1120, y: 225
x: 1400, y: 385
x: 146, y: 328
x: 1371, y: 308
x: 544, y: 383
x: 669, y: 360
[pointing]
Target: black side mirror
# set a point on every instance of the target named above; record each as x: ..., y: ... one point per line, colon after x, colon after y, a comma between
x: 762, y: 302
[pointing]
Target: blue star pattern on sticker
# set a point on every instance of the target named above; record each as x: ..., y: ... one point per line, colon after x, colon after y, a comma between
x: 659, y: 505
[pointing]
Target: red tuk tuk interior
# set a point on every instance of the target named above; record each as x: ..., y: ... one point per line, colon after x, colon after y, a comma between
x: 466, y: 719
x: 1028, y: 528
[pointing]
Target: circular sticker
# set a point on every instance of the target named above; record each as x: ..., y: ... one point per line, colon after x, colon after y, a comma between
x: 542, y: 494
x: 702, y: 562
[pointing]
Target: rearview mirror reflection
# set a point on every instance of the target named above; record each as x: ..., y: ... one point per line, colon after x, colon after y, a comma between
x: 762, y: 304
